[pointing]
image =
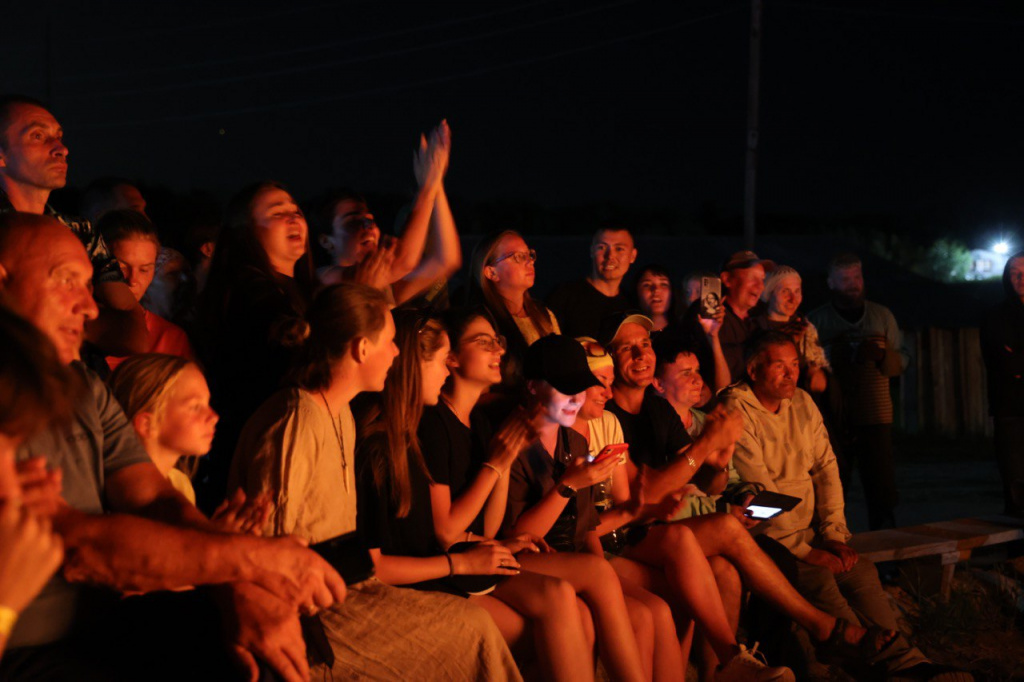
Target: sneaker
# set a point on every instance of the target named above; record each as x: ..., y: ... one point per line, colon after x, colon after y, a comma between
x: 749, y: 666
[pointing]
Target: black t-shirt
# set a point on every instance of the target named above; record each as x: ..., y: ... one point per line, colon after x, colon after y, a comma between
x: 733, y: 336
x: 580, y: 308
x: 452, y: 454
x: 656, y: 434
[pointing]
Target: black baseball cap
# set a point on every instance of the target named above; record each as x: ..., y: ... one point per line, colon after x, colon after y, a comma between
x: 562, y: 362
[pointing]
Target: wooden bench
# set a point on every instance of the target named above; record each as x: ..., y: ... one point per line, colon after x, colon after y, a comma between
x: 950, y: 541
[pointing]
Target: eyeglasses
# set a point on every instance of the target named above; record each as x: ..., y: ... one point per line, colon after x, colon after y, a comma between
x: 489, y: 343
x: 518, y: 257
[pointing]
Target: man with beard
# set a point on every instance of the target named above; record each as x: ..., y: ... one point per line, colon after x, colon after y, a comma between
x: 1002, y: 345
x: 581, y: 306
x: 863, y: 344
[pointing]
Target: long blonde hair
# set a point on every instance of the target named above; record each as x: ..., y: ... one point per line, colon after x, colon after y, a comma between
x: 143, y: 383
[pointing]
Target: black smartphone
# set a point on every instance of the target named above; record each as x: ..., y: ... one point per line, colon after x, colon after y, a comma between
x: 348, y: 555
x: 710, y: 296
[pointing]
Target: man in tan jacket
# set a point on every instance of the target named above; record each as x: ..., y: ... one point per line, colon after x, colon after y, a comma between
x: 785, y: 447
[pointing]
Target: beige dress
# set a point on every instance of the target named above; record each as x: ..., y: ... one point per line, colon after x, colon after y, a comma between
x: 290, y: 448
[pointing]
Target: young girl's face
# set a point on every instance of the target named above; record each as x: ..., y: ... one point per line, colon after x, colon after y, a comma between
x: 558, y: 407
x: 280, y: 228
x: 137, y: 258
x: 188, y: 422
x: 598, y: 396
x: 477, y: 355
x: 434, y: 371
x: 654, y: 293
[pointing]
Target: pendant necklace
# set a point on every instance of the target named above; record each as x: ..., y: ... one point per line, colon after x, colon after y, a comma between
x: 337, y: 434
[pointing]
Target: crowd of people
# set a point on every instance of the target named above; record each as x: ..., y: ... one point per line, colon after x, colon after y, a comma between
x: 294, y: 454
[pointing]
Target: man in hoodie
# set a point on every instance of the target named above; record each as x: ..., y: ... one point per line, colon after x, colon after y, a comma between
x: 1002, y: 346
x: 785, y: 447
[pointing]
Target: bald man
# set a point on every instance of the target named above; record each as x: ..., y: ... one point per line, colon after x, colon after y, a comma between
x: 46, y: 276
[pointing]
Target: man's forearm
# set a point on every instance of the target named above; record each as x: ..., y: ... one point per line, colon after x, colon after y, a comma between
x: 120, y: 328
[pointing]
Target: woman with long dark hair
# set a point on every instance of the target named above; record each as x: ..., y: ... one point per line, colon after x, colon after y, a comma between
x: 300, y: 446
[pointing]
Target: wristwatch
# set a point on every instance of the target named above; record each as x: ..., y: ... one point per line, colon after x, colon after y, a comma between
x: 566, y: 491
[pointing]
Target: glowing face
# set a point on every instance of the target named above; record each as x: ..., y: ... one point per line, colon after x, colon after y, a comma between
x: 188, y: 422
x: 775, y: 376
x: 745, y: 286
x: 612, y: 253
x: 433, y: 372
x: 598, y: 396
x: 354, y: 233
x: 280, y: 229
x: 654, y: 293
x: 49, y: 282
x: 1015, y: 271
x: 680, y: 382
x: 848, y: 282
x: 476, y: 356
x: 558, y: 407
x: 137, y: 257
x: 633, y: 355
x: 787, y: 297
x: 380, y: 355
x: 33, y: 152
x: 511, y: 274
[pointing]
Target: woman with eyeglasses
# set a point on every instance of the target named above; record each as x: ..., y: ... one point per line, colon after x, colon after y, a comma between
x: 501, y: 276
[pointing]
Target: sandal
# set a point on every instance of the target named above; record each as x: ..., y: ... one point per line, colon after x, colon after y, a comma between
x: 872, y: 647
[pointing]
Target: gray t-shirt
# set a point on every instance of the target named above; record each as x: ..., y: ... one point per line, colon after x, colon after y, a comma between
x: 97, y: 442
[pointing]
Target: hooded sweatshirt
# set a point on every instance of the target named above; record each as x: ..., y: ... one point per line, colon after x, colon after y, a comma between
x: 1002, y: 346
x: 789, y: 452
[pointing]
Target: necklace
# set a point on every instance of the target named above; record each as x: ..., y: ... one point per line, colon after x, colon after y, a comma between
x: 455, y: 411
x: 337, y: 434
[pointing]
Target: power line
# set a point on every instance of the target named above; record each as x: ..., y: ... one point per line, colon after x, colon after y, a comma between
x: 385, y: 90
x: 360, y: 59
x: 334, y: 44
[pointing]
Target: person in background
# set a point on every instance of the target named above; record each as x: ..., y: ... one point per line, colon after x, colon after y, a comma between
x: 397, y: 265
x: 501, y: 276
x: 690, y: 289
x: 134, y: 243
x: 865, y: 349
x: 782, y: 295
x: 656, y: 297
x: 1002, y: 347
x: 111, y: 194
x: 582, y: 304
x: 33, y: 163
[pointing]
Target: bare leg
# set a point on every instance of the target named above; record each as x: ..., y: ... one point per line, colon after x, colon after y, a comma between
x: 675, y: 550
x: 595, y: 581
x: 723, y: 535
x: 643, y: 629
x: 667, y: 660
x: 549, y: 604
x: 730, y: 588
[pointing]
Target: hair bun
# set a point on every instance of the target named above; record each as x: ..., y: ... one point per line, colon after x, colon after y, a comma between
x: 292, y: 332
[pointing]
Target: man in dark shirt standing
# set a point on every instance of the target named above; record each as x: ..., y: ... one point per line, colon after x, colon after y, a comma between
x: 33, y: 163
x: 580, y: 306
x: 1002, y: 346
x: 742, y: 282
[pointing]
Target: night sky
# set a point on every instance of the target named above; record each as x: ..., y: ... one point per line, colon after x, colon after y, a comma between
x: 904, y: 109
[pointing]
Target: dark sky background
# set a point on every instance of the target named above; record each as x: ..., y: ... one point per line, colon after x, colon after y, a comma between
x: 904, y: 109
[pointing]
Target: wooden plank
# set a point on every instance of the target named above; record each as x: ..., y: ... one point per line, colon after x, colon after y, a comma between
x: 896, y: 545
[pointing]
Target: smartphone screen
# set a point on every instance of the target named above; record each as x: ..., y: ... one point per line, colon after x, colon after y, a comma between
x: 757, y: 512
x: 710, y: 296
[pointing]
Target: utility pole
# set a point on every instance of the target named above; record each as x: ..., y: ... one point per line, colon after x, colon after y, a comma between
x: 753, y: 94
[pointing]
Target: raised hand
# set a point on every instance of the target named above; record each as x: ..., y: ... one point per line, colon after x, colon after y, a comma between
x: 712, y: 325
x: 518, y: 431
x: 722, y: 428
x: 375, y: 268
x: 430, y: 160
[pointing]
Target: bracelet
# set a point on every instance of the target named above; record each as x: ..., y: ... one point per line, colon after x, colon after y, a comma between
x: 8, y: 617
x: 565, y: 490
x: 493, y: 468
x: 451, y: 564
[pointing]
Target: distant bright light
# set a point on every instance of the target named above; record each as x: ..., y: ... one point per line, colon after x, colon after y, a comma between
x: 1001, y: 247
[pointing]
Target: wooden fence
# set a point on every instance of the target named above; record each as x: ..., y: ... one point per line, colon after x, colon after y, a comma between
x: 943, y: 390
